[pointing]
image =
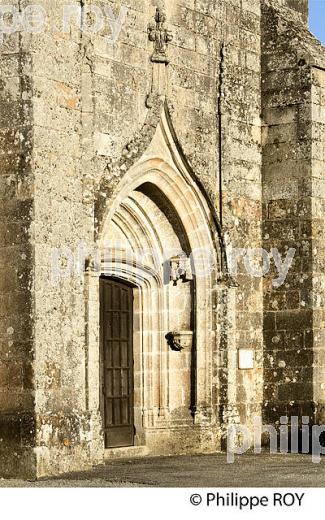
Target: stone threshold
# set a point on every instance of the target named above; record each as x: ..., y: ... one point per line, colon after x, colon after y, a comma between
x: 126, y: 453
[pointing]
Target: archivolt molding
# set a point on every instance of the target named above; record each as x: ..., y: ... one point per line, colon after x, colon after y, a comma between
x: 159, y: 113
x: 139, y: 234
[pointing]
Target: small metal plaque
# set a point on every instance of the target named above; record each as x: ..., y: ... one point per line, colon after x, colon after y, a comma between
x: 246, y: 359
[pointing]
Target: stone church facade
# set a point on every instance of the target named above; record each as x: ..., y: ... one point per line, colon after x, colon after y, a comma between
x: 129, y: 172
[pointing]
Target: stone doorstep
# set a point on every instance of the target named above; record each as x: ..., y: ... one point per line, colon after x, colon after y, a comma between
x: 126, y: 453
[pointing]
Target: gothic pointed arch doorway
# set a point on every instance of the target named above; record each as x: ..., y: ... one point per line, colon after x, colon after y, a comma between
x: 157, y: 238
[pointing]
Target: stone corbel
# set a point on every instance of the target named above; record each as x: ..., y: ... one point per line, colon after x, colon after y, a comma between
x: 180, y: 340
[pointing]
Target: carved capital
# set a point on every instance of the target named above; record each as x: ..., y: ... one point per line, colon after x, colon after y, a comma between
x: 92, y: 264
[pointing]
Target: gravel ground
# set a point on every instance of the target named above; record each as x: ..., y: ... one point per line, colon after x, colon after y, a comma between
x: 193, y: 471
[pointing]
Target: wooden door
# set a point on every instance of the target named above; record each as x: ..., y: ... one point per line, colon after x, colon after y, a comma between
x: 117, y: 360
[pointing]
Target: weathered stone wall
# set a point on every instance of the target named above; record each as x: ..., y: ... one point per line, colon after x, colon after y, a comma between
x: 16, y: 260
x: 86, y: 103
x: 61, y: 223
x: 292, y: 134
x: 88, y: 100
x: 299, y: 6
x: 317, y: 232
x: 239, y: 179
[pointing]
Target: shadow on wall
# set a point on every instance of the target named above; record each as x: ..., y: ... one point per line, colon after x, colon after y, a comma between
x: 17, y: 421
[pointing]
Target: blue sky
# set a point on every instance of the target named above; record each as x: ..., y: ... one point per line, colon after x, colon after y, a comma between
x: 317, y: 18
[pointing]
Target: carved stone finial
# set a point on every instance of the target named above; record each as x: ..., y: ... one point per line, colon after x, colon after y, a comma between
x: 161, y: 36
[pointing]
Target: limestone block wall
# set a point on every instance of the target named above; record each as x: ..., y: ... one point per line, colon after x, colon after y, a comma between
x: 93, y: 102
x: 62, y: 222
x: 291, y: 210
x: 317, y: 231
x: 17, y: 425
x: 299, y: 6
x: 239, y: 197
x: 84, y: 104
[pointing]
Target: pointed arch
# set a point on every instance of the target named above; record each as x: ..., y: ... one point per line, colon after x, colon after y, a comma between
x: 158, y: 120
x: 158, y: 203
